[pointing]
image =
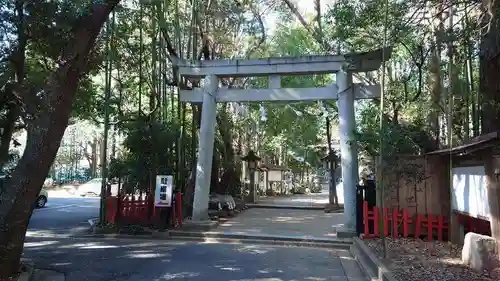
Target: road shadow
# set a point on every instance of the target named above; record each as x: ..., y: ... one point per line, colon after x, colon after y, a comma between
x: 133, y: 260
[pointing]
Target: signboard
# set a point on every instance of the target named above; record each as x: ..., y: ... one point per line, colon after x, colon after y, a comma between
x: 274, y: 175
x: 163, y: 191
x: 468, y: 192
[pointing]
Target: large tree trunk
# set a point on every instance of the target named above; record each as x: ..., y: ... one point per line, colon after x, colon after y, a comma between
x: 231, y: 174
x: 436, y: 90
x: 44, y: 137
x: 7, y: 132
x: 489, y: 86
x: 493, y: 184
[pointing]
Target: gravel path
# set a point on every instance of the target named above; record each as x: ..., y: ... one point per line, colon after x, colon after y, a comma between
x: 417, y: 260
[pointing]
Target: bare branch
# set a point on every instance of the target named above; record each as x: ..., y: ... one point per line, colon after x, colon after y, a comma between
x: 263, y: 37
x: 317, y: 7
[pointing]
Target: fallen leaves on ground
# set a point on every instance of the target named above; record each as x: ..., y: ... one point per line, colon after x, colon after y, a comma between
x: 417, y: 260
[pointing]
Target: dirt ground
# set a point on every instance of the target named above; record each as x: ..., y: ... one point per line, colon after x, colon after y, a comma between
x: 417, y: 260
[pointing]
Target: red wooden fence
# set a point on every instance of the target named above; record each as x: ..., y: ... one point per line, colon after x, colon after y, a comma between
x: 132, y: 209
x: 474, y: 224
x: 177, y: 208
x: 399, y: 223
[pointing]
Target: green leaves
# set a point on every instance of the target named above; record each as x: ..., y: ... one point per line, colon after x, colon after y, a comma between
x: 397, y: 139
x: 147, y: 144
x: 295, y: 130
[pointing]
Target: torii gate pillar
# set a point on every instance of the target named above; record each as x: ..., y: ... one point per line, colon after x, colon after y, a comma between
x: 205, y: 149
x: 344, y: 91
x: 348, y: 151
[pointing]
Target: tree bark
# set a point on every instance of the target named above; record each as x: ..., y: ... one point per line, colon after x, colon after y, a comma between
x: 231, y: 174
x: 7, y: 132
x: 91, y: 157
x: 44, y: 137
x: 493, y: 184
x: 18, y: 59
x: 333, y: 198
x: 489, y: 86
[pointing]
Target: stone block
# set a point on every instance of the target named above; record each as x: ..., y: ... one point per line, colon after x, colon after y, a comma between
x: 346, y: 233
x: 332, y: 208
x: 205, y: 225
x: 479, y: 251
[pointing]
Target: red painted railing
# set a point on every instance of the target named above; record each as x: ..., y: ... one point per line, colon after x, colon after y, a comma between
x: 474, y: 224
x: 133, y: 209
x: 399, y: 222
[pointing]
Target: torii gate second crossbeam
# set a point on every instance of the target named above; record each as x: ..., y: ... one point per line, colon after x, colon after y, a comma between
x: 344, y: 91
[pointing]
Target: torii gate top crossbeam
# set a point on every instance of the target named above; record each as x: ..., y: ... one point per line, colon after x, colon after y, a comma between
x: 355, y: 62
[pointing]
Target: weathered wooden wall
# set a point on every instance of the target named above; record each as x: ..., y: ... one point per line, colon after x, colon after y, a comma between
x: 420, y: 184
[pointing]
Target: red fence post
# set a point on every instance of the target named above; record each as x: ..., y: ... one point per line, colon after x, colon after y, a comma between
x: 418, y: 224
x: 365, y: 218
x: 132, y: 206
x: 132, y: 209
x: 142, y: 216
x: 111, y: 206
x: 119, y: 204
x: 430, y: 223
x: 178, y: 207
x: 370, y: 216
x: 406, y: 221
x: 440, y: 227
x: 125, y: 205
x: 150, y: 209
x: 387, y: 218
x: 395, y: 222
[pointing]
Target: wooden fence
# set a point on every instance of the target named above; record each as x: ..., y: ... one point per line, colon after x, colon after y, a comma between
x: 140, y: 210
x: 399, y: 223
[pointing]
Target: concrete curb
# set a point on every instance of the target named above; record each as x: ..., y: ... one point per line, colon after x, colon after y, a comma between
x: 369, y: 262
x: 232, y: 238
x: 49, y: 275
x: 281, y: 243
x: 29, y: 274
x: 264, y: 237
x: 151, y: 236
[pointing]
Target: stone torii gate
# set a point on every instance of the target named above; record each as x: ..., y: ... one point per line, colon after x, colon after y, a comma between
x: 344, y: 91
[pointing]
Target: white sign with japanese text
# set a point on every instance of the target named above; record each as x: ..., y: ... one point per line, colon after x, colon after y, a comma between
x: 163, y: 191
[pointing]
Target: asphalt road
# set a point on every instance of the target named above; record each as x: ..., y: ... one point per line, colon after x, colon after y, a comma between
x: 67, y: 213
x: 98, y: 259
x: 64, y: 214
x: 141, y: 260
